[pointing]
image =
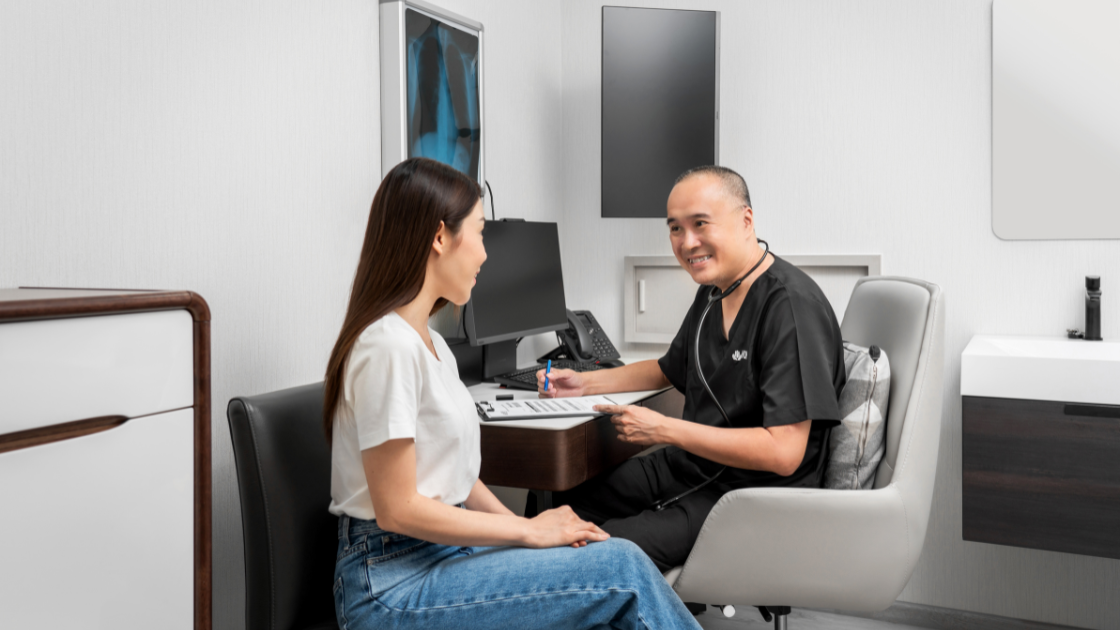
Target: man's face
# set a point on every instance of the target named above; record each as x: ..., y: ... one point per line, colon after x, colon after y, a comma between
x: 709, y: 230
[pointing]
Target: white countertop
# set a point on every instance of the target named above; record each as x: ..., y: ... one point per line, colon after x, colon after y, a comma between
x: 1042, y: 368
x: 488, y: 391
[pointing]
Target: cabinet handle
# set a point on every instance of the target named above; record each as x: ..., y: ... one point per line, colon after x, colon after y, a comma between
x: 58, y: 432
x: 1093, y: 411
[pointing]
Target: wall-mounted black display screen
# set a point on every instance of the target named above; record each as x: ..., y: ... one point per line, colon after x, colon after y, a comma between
x: 660, y: 104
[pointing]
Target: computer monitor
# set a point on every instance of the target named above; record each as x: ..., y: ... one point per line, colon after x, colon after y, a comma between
x: 520, y: 291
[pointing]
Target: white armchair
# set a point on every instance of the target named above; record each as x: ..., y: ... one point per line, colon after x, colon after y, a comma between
x: 842, y: 549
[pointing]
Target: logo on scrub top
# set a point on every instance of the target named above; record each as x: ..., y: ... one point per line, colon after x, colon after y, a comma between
x: 739, y: 355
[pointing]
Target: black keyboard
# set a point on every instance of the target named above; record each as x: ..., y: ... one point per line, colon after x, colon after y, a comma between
x: 527, y: 378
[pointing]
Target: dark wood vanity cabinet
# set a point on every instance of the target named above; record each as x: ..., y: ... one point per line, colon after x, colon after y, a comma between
x: 1042, y: 475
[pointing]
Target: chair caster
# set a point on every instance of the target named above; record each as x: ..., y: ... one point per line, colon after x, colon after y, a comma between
x: 728, y: 611
x: 777, y: 614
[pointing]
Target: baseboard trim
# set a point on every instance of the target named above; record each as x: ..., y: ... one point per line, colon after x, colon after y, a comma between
x: 937, y: 618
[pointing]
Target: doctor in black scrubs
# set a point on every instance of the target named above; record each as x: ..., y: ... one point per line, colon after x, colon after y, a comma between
x: 770, y: 351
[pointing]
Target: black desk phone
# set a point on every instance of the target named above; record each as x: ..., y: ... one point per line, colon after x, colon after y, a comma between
x: 584, y: 340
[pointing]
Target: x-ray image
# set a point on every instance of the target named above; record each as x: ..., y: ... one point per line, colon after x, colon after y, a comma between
x: 443, y: 103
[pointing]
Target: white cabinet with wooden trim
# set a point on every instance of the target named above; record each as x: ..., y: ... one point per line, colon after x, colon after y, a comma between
x: 104, y: 460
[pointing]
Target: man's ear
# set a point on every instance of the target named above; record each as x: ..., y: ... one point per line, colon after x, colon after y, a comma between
x: 442, y: 241
x: 748, y: 219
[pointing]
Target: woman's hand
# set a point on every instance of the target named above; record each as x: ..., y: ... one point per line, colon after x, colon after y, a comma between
x: 561, y: 384
x: 638, y: 425
x: 561, y: 526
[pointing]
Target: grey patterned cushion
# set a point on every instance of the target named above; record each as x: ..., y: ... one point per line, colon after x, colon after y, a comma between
x: 857, y: 445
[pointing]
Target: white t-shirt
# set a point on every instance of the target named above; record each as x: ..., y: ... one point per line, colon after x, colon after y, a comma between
x: 394, y: 388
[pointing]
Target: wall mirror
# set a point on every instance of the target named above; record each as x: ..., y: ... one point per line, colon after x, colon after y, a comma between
x: 1056, y: 119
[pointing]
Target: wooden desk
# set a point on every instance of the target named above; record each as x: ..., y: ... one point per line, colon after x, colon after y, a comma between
x: 559, y: 454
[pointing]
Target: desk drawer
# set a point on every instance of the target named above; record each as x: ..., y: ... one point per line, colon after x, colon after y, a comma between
x: 61, y: 370
x: 98, y: 530
x: 1042, y: 475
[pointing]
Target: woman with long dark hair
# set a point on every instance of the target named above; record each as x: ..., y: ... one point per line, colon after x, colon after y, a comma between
x: 422, y: 542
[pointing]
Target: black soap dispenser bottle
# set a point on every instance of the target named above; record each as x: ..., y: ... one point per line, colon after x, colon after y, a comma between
x: 1092, y: 308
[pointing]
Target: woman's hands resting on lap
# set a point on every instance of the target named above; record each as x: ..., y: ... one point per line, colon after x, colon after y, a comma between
x: 391, y: 474
x: 560, y: 526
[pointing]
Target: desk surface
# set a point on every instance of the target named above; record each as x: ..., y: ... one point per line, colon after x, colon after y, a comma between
x: 487, y: 391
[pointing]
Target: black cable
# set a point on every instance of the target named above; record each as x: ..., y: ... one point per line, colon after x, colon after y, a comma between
x: 715, y: 296
x: 493, y: 215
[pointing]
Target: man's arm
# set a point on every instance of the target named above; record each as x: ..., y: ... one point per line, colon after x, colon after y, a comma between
x: 634, y: 377
x: 774, y: 449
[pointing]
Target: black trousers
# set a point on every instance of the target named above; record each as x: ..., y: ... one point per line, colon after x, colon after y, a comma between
x: 620, y: 502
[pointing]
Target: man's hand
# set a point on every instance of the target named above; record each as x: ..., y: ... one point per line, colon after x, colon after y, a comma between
x: 638, y: 425
x: 561, y: 384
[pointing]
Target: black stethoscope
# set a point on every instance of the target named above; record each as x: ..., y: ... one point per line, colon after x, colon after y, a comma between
x: 714, y: 296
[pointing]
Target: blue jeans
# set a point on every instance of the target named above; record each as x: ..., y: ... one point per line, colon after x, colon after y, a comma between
x: 384, y: 580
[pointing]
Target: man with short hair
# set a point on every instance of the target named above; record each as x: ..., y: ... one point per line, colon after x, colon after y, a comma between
x: 769, y: 349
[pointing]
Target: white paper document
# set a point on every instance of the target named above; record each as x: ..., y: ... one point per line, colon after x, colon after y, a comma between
x: 492, y: 410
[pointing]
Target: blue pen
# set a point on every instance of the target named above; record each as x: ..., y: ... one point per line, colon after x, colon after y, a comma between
x: 546, y: 371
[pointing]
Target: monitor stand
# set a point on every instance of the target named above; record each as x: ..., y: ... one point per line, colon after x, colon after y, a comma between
x: 498, y: 358
x: 468, y: 358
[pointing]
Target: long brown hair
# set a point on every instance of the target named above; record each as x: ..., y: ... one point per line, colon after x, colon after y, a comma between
x: 409, y: 205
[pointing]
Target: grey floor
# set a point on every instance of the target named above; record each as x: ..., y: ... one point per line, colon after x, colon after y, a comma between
x: 749, y: 619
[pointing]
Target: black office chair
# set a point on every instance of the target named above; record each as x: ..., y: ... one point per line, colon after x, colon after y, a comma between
x: 284, y: 473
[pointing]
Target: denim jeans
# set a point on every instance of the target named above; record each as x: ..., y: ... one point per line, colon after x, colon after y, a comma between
x: 385, y: 580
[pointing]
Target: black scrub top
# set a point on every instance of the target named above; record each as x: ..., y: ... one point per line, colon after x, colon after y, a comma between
x: 782, y: 364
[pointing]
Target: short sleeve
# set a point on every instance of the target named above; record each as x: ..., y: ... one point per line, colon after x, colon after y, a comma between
x: 674, y: 364
x: 798, y: 362
x: 385, y: 384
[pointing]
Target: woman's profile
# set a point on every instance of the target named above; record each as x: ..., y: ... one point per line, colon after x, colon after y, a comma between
x: 422, y: 542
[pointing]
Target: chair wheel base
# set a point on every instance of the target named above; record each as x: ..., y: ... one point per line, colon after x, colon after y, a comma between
x: 695, y: 608
x: 776, y: 613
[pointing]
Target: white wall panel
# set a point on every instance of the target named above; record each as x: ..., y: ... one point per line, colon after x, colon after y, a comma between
x: 865, y: 126
x: 229, y: 148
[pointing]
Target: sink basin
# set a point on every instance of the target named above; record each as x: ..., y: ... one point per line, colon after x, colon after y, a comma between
x: 1042, y: 368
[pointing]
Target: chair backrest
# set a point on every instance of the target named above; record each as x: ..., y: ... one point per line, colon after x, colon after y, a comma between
x: 284, y: 474
x: 903, y: 317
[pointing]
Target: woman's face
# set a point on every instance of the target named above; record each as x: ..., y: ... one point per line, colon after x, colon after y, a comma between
x: 460, y: 265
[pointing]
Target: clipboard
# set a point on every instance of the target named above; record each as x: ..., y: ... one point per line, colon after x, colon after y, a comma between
x: 540, y: 408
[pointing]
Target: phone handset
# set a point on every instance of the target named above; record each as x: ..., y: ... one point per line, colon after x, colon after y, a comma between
x: 584, y: 340
x: 577, y: 338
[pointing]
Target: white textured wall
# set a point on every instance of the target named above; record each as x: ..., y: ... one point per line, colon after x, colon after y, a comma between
x: 864, y: 126
x: 232, y: 148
